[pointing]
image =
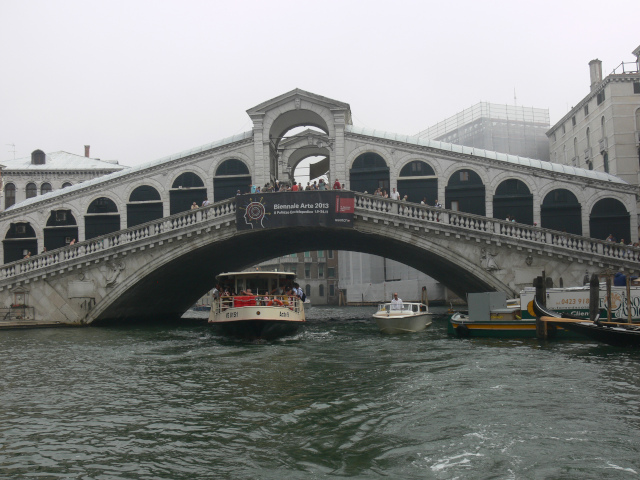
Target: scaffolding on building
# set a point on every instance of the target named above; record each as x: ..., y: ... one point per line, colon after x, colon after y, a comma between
x: 510, y: 129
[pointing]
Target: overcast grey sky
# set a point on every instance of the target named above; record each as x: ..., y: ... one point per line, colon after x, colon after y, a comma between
x: 139, y: 80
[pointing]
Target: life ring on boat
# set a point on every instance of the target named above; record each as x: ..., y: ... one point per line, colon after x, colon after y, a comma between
x: 462, y: 331
x: 277, y: 301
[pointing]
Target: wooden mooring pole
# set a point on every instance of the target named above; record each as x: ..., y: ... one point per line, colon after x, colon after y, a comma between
x: 541, y: 295
x: 629, y: 319
x: 594, y: 297
x: 608, y: 282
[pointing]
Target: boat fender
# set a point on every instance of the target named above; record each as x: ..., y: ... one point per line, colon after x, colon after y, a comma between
x: 462, y: 331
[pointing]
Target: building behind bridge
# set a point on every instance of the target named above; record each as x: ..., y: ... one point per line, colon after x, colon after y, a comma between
x: 602, y: 131
x: 42, y: 173
x: 511, y: 129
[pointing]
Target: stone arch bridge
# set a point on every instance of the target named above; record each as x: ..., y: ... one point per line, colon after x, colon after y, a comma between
x: 160, y: 268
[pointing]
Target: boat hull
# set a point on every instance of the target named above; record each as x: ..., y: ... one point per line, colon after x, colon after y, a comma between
x: 393, y: 325
x: 257, y: 329
x: 464, y: 328
x: 615, y: 334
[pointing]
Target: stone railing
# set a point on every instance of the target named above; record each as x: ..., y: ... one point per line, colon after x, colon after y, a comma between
x: 102, y: 245
x: 364, y: 202
x: 494, y: 226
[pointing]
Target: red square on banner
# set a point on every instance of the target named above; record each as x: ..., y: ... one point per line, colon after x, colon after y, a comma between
x: 345, y: 205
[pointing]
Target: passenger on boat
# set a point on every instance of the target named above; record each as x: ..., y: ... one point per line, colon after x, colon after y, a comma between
x: 396, y: 303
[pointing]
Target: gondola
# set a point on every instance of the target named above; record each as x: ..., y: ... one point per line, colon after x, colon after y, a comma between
x: 611, y: 333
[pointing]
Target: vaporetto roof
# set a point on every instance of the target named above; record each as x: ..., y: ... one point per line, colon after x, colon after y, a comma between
x: 478, y: 152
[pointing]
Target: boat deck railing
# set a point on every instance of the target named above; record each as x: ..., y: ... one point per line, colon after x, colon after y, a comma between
x: 406, y: 307
x: 237, y: 301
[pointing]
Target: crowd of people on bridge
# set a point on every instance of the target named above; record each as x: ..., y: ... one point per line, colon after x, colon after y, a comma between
x: 277, y: 186
x: 395, y: 195
x: 613, y: 239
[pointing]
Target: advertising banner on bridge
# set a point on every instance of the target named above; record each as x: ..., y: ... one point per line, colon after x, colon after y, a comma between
x: 330, y: 208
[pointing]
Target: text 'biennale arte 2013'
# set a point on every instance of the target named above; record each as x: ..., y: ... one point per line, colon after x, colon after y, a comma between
x: 272, y: 210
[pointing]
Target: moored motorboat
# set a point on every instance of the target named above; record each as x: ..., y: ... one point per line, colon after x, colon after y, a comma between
x: 492, y: 315
x: 612, y: 333
x: 265, y: 308
x: 407, y: 317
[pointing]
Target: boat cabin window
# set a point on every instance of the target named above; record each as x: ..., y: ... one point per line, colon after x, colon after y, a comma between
x: 258, y: 285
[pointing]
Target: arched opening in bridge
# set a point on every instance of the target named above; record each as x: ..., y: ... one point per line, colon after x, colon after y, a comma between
x: 561, y: 211
x: 418, y: 181
x: 312, y: 169
x: 186, y: 189
x: 285, y: 132
x: 19, y: 241
x: 231, y: 175
x: 465, y: 192
x: 369, y: 172
x: 609, y: 216
x: 303, y: 155
x: 145, y: 205
x: 513, y: 199
x: 102, y: 217
x: 9, y: 195
x: 60, y: 230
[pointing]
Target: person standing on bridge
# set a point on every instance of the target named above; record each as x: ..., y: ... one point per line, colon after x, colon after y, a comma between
x: 395, y: 195
x: 396, y: 303
x: 336, y: 185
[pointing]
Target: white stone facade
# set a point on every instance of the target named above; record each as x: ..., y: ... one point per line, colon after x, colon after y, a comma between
x: 602, y: 132
x: 57, y: 170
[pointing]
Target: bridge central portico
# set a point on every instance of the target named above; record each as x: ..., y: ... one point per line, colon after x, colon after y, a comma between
x: 158, y: 270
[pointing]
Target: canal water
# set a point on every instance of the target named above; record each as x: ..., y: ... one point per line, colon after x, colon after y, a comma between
x: 338, y: 400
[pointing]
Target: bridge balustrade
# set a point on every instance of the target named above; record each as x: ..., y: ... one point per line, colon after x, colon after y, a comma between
x: 363, y: 202
x: 123, y: 237
x: 504, y: 228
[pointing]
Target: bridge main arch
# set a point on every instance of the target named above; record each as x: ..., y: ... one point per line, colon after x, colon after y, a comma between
x: 168, y: 282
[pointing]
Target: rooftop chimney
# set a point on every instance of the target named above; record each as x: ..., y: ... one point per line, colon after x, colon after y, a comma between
x: 595, y: 69
x: 86, y: 150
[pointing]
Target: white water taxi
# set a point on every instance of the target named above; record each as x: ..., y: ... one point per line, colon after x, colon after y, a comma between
x: 408, y: 317
x: 262, y: 310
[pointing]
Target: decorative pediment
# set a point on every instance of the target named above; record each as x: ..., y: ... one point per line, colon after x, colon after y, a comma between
x: 299, y: 96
